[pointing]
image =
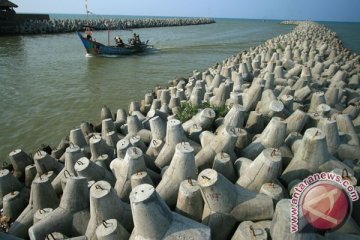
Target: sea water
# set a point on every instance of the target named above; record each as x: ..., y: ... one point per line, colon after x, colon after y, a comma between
x: 48, y: 86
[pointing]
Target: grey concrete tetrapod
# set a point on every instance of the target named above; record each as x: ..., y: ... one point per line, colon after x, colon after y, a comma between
x: 72, y: 154
x: 132, y: 163
x: 296, y: 121
x: 346, y: 125
x: 77, y: 137
x: 234, y: 118
x: 140, y: 178
x: 224, y: 165
x: 154, y: 220
x: 307, y: 159
x: 223, y: 142
x: 249, y: 230
x: 273, y: 190
x: 13, y: 204
x: 203, y: 119
x: 255, y: 123
x: 158, y: 128
x: 220, y: 95
x: 99, y: 147
x: 280, y: 227
x: 158, y: 132
x: 42, y: 195
x: 182, y: 166
x: 111, y: 229
x: 20, y: 160
x: 221, y: 195
x: 330, y: 129
x: 8, y: 183
x: 226, y: 203
x: 30, y: 174
x: 72, y: 215
x: 265, y: 168
x: 190, y: 202
x: 273, y: 136
x: 86, y: 168
x: 174, y: 135
x: 44, y: 163
x: 107, y: 126
x: 105, y: 204
x: 252, y: 96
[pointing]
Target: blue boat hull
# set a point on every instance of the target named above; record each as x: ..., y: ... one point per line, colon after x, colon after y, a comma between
x: 99, y: 49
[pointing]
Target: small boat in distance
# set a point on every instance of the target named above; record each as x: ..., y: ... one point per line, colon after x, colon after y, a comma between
x: 95, y: 48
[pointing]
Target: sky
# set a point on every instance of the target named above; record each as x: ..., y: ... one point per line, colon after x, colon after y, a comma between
x: 316, y: 10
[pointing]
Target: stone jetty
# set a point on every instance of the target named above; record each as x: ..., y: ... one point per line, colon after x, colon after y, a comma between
x: 72, y: 25
x: 264, y: 120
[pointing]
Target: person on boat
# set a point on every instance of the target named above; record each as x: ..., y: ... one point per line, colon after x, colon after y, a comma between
x: 135, y: 40
x: 88, y: 33
x: 119, y: 42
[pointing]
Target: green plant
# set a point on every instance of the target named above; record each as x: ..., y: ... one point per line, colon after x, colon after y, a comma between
x: 187, y: 110
x: 280, y: 47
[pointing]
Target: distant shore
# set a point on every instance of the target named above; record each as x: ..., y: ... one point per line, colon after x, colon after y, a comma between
x: 72, y: 25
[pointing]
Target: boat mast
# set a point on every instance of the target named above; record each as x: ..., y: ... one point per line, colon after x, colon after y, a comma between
x: 86, y: 8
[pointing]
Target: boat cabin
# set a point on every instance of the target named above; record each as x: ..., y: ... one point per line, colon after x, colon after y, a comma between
x: 7, y: 8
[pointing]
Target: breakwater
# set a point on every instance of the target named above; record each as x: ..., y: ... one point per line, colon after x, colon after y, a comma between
x: 72, y: 25
x: 281, y: 105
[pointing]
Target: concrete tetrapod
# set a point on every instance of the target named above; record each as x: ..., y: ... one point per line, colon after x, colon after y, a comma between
x: 105, y: 204
x: 72, y: 154
x: 42, y: 196
x: 273, y: 136
x: 190, y: 202
x: 182, y: 166
x: 226, y: 203
x: 44, y: 163
x: 99, y: 147
x: 154, y: 220
x: 174, y: 135
x: 72, y: 215
x: 249, y: 231
x: 132, y: 163
x: 86, y: 168
x: 20, y: 160
x: 203, y: 119
x: 76, y: 137
x: 223, y: 142
x: 330, y: 129
x: 265, y: 168
x: 8, y: 183
x: 312, y: 153
x: 234, y: 118
x: 280, y: 228
x: 13, y: 204
x: 111, y: 229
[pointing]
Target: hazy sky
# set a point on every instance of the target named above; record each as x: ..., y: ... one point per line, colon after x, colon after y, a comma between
x: 325, y: 10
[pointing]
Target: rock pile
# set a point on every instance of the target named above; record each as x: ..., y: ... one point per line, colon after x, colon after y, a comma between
x: 73, y: 25
x: 293, y: 111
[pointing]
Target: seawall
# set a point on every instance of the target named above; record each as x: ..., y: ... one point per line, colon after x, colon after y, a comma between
x: 45, y: 26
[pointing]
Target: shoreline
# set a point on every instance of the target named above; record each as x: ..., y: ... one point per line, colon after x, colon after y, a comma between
x: 277, y: 94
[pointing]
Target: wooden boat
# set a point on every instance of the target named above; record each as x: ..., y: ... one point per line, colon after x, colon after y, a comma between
x: 98, y: 49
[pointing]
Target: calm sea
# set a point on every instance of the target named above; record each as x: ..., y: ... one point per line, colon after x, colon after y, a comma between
x: 48, y: 86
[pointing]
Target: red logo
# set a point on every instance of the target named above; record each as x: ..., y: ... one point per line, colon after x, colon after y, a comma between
x: 325, y: 206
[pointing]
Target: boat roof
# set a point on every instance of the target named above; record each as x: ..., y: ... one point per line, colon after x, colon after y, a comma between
x: 6, y: 3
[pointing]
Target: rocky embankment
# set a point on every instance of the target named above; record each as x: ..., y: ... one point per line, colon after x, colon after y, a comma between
x: 142, y: 174
x: 72, y: 25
